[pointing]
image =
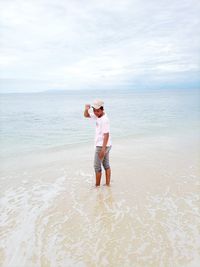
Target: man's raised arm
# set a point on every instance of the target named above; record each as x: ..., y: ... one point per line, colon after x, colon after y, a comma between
x: 86, y: 113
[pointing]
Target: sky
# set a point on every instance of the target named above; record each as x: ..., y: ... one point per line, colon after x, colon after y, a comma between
x: 107, y: 44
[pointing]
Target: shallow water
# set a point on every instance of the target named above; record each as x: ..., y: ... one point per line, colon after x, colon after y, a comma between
x: 53, y: 215
x: 52, y: 225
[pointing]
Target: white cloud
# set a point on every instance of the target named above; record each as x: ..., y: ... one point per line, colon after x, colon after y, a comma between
x: 81, y: 44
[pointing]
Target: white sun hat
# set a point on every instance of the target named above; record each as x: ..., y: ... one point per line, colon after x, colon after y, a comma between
x: 97, y: 103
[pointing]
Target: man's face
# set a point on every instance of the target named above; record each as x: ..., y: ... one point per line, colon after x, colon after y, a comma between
x: 98, y: 112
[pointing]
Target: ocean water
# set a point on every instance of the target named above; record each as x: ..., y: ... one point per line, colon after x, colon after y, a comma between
x: 39, y: 121
x: 52, y: 215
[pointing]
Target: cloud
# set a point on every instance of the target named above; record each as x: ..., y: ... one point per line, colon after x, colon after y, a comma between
x: 96, y: 44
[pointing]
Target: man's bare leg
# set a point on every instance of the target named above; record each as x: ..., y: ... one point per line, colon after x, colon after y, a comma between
x: 108, y: 174
x: 98, y: 178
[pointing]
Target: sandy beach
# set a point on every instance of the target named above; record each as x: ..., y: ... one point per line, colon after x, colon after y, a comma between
x: 76, y: 76
x: 53, y: 215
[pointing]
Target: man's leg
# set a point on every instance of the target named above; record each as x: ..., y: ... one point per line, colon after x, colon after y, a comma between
x: 98, y: 178
x: 97, y: 166
x: 108, y: 174
x: 106, y: 166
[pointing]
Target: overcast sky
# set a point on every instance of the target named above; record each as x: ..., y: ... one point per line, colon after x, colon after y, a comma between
x: 82, y: 44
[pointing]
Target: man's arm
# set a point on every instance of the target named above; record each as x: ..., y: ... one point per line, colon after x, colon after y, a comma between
x: 105, y: 140
x: 103, y: 150
x: 86, y: 113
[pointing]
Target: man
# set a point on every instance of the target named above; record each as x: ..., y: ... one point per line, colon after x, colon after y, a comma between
x: 102, y: 139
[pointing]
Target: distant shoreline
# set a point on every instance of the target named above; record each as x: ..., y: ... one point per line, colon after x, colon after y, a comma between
x: 54, y: 91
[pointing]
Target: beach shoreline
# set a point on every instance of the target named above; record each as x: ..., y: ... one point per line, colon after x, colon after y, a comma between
x: 152, y: 205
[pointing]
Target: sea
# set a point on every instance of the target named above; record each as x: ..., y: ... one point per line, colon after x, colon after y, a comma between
x: 53, y: 215
x: 38, y: 121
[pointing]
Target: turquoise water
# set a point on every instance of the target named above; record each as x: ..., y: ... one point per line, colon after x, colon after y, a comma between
x: 32, y: 121
x: 51, y: 212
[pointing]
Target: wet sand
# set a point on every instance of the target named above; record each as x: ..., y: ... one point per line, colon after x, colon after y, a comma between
x: 53, y: 215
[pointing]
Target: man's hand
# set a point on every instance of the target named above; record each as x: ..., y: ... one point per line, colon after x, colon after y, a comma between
x: 102, y: 153
x: 87, y: 106
x: 86, y: 111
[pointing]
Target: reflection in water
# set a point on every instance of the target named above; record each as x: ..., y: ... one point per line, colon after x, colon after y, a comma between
x: 67, y: 223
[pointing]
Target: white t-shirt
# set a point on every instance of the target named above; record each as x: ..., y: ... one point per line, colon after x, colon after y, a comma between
x: 102, y: 127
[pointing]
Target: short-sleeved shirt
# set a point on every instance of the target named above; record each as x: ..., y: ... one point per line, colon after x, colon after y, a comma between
x: 102, y: 127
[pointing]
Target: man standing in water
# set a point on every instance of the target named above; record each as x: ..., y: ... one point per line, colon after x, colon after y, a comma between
x: 102, y: 139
